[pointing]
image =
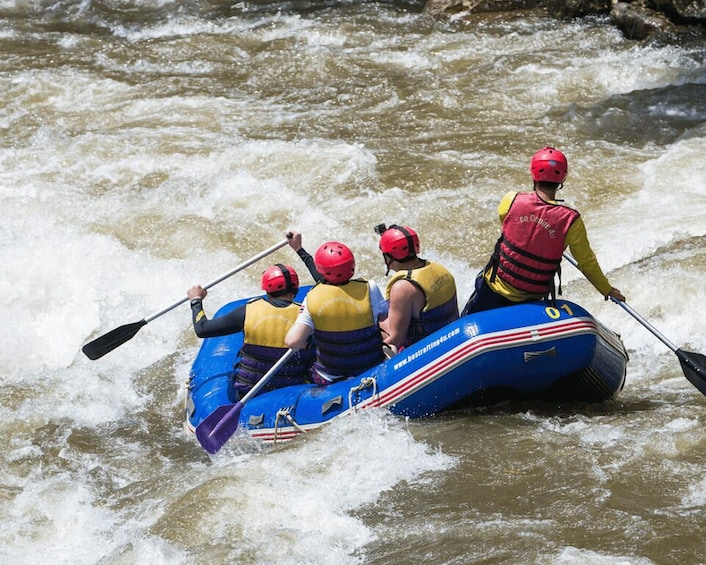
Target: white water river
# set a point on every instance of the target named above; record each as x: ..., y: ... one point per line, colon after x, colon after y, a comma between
x: 146, y: 146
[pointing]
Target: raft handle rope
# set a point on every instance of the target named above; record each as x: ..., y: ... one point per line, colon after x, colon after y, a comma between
x: 284, y: 414
x: 189, y: 406
x: 365, y: 383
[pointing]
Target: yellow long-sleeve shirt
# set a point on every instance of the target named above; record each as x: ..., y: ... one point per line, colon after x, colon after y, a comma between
x: 577, y: 242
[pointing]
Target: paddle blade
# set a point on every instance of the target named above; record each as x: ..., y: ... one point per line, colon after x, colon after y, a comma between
x: 114, y: 338
x: 694, y: 367
x: 218, y: 427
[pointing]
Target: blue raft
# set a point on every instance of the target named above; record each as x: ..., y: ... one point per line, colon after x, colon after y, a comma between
x: 538, y: 351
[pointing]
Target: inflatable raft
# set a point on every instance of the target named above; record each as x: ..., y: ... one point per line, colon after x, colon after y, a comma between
x: 535, y: 351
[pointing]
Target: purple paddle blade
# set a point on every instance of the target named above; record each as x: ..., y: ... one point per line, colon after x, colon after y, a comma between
x: 218, y: 427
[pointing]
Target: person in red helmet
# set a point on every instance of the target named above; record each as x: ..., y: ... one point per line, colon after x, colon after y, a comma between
x: 536, y: 229
x: 342, y: 313
x: 264, y: 322
x: 421, y: 295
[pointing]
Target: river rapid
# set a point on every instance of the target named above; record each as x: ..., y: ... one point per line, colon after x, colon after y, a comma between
x: 149, y: 145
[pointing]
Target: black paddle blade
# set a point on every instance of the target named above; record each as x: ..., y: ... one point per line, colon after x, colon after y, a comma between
x: 114, y: 338
x: 218, y: 427
x: 694, y: 367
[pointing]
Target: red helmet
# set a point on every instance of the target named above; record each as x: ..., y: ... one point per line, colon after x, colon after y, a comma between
x: 549, y: 165
x: 335, y: 262
x: 399, y: 242
x: 279, y: 279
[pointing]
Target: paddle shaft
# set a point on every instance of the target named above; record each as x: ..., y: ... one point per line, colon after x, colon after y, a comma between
x: 230, y: 273
x: 645, y: 323
x: 116, y: 337
x: 633, y: 313
x: 693, y: 364
x: 266, y: 377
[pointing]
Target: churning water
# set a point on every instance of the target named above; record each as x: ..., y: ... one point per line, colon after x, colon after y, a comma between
x: 146, y: 146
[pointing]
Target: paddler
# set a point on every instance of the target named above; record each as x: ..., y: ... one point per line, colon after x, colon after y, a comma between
x: 536, y: 229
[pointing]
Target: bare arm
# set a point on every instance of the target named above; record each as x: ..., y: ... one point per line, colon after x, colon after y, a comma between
x: 297, y: 336
x: 406, y: 301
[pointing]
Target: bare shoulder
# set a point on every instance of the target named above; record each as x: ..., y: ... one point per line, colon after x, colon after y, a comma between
x: 403, y: 288
x: 404, y: 294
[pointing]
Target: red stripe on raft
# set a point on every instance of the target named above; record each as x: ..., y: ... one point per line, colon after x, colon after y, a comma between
x: 437, y: 368
x: 433, y: 371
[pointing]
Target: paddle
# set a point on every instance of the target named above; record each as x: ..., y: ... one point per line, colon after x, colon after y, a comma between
x: 693, y: 364
x: 115, y: 338
x: 218, y: 427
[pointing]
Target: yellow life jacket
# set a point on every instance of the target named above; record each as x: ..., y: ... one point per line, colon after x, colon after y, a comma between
x: 441, y: 305
x: 265, y: 326
x: 339, y: 308
x: 347, y: 336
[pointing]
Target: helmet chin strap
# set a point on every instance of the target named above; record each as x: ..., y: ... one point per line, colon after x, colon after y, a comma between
x: 557, y: 189
x: 388, y: 261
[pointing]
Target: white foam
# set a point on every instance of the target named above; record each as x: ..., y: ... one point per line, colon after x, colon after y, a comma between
x: 120, y: 191
x: 304, y: 496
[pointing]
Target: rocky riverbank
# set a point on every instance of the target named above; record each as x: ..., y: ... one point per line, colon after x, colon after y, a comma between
x: 661, y: 20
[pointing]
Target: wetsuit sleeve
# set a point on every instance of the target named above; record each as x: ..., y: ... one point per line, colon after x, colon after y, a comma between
x: 577, y: 241
x: 230, y: 323
x: 504, y: 206
x: 309, y: 262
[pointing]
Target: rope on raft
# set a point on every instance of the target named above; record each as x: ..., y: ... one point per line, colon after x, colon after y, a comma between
x: 284, y: 414
x: 365, y: 383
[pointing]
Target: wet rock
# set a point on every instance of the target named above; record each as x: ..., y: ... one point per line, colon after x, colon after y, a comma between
x: 682, y: 11
x: 667, y: 20
x: 577, y: 8
x: 452, y: 7
x: 638, y: 22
